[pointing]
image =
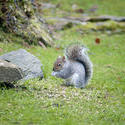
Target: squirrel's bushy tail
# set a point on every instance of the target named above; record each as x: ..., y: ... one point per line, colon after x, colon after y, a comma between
x: 79, y: 53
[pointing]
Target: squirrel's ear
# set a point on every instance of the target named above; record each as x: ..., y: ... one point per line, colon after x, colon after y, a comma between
x: 63, y: 58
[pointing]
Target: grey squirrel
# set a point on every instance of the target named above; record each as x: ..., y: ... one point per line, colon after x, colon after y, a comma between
x: 75, y: 66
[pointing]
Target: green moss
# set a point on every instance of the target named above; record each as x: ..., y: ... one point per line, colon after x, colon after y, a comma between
x: 23, y: 22
x: 111, y: 25
x: 103, y: 26
x: 49, y: 102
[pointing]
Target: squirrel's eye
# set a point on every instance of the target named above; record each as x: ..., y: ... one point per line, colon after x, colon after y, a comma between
x: 59, y: 64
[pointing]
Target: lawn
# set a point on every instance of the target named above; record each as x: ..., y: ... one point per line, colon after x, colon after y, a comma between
x: 48, y: 102
x: 104, y: 7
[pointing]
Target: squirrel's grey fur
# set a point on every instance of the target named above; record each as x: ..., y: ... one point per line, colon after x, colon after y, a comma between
x: 77, y: 68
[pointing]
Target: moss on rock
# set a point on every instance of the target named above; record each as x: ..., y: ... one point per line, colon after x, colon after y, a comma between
x: 23, y: 19
x: 104, y: 26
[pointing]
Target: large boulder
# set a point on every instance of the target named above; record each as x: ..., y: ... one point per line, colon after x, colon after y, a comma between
x: 29, y: 64
x: 9, y: 72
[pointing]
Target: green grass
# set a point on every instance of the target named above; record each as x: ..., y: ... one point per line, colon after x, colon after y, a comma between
x: 48, y: 102
x: 105, y: 7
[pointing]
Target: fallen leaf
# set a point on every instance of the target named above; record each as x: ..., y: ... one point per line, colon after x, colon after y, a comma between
x: 79, y: 10
x: 58, y: 47
x: 97, y: 40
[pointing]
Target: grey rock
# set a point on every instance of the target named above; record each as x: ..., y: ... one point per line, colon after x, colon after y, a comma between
x: 84, y: 19
x: 48, y: 6
x: 64, y: 23
x: 29, y: 64
x: 9, y: 72
x: 66, y: 20
x: 105, y: 18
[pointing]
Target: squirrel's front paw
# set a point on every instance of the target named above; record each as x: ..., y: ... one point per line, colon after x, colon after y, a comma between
x: 53, y: 73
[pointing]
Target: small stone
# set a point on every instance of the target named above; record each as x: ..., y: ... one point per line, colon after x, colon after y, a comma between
x: 9, y: 72
x: 74, y: 6
x: 48, y: 6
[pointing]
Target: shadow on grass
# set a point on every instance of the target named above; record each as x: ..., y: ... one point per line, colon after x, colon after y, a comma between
x: 6, y: 85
